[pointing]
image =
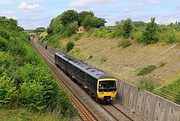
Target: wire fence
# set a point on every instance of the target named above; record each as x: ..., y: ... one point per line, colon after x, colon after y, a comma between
x: 169, y: 94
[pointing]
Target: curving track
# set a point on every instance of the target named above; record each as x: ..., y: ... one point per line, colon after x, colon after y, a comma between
x: 110, y: 112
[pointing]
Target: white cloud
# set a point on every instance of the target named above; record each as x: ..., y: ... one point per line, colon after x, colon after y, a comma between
x: 85, y: 3
x: 29, y: 7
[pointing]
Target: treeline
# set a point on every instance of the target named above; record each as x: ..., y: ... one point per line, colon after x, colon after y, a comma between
x: 68, y: 22
x: 25, y: 81
x: 139, y: 31
x: 127, y: 31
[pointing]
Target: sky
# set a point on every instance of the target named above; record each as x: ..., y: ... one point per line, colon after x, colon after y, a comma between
x: 35, y: 13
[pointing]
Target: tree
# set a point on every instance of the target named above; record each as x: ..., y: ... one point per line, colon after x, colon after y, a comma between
x: 139, y: 24
x: 68, y: 17
x: 149, y: 35
x: 71, y: 29
x: 82, y: 16
x: 92, y: 21
x: 40, y: 29
x: 69, y: 46
x: 101, y: 22
x: 127, y: 28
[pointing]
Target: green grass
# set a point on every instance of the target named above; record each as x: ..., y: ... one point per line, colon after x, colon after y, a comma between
x: 25, y: 115
x: 146, y: 70
x: 25, y: 81
x: 147, y: 84
x: 170, y: 91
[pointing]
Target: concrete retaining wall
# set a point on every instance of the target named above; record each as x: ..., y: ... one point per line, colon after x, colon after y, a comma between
x: 147, y: 105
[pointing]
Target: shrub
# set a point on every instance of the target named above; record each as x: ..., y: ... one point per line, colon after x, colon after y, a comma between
x: 5, y: 59
x: 171, y: 38
x: 32, y: 96
x: 62, y: 102
x: 125, y: 43
x: 3, y: 44
x: 8, y: 92
x: 146, y: 70
x: 149, y: 35
x: 127, y: 28
x: 69, y: 46
x: 25, y: 80
x: 4, y: 34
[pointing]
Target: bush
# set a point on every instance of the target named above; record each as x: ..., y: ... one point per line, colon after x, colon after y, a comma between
x: 32, y: 96
x: 5, y: 59
x: 127, y: 28
x: 125, y: 43
x: 69, y: 46
x: 8, y: 92
x: 146, y: 70
x: 149, y: 35
x: 171, y: 38
x: 4, y: 34
x: 3, y: 44
x: 63, y: 103
x: 24, y: 79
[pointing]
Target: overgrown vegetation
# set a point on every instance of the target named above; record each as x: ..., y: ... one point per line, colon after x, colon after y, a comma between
x: 67, y: 23
x: 24, y: 79
x: 127, y: 28
x: 69, y: 46
x: 146, y: 70
x: 170, y: 91
x: 149, y: 35
x: 125, y: 33
x: 147, y: 84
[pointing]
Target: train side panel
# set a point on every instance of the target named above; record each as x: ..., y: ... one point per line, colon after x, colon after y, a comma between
x: 92, y: 84
x: 78, y: 74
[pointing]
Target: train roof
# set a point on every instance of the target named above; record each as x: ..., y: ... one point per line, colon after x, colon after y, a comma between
x: 64, y: 56
x: 98, y: 74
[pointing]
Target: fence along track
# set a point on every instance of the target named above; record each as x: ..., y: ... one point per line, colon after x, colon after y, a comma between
x: 85, y: 114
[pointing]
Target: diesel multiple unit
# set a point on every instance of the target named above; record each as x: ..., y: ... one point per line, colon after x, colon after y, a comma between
x: 98, y: 83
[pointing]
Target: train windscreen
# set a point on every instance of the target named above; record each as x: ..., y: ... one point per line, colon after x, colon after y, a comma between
x: 107, y: 86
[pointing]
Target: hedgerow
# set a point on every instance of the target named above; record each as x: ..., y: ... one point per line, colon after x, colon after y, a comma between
x: 25, y: 81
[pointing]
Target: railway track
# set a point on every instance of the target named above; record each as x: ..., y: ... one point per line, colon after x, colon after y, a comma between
x: 84, y: 113
x: 116, y: 113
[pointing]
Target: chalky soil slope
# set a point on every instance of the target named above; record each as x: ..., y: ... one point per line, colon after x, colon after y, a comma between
x: 125, y: 63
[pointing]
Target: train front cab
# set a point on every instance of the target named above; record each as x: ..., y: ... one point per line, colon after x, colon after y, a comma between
x: 106, y: 89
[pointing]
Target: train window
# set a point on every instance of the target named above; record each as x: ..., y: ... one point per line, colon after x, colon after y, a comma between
x: 107, y: 86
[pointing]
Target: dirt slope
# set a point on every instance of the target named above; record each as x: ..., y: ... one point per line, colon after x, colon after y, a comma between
x: 125, y: 63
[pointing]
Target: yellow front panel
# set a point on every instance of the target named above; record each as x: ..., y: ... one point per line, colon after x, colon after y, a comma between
x: 101, y: 95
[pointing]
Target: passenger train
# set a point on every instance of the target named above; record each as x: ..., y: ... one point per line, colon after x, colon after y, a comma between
x: 100, y: 84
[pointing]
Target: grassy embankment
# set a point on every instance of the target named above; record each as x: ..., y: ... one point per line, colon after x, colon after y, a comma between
x: 154, y: 67
x: 28, y: 90
x: 144, y: 54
